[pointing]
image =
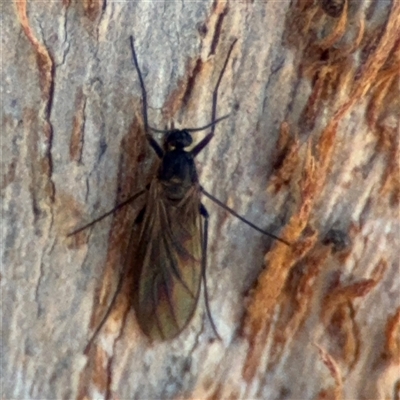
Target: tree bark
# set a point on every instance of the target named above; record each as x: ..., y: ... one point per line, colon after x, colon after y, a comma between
x: 309, y: 152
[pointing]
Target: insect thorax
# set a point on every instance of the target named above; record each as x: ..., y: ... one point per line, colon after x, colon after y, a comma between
x: 177, y: 173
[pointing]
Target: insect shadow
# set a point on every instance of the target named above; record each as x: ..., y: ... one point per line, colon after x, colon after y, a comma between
x: 334, y: 8
x: 173, y: 236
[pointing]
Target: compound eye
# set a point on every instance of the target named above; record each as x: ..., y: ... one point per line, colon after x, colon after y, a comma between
x: 186, y: 138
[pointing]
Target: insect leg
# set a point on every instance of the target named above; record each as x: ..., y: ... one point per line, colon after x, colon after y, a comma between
x: 124, y: 203
x: 235, y: 214
x: 205, y: 215
x: 156, y: 147
x: 200, y: 146
x: 138, y: 220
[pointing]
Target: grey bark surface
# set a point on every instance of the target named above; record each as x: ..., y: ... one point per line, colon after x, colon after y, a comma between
x: 73, y: 146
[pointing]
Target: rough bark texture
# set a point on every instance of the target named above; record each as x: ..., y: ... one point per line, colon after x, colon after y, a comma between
x: 310, y: 151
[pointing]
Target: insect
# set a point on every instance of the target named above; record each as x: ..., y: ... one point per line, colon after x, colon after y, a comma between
x: 173, y: 234
x: 333, y: 8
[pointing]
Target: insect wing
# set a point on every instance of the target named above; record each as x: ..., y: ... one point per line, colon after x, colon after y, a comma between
x: 169, y: 253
